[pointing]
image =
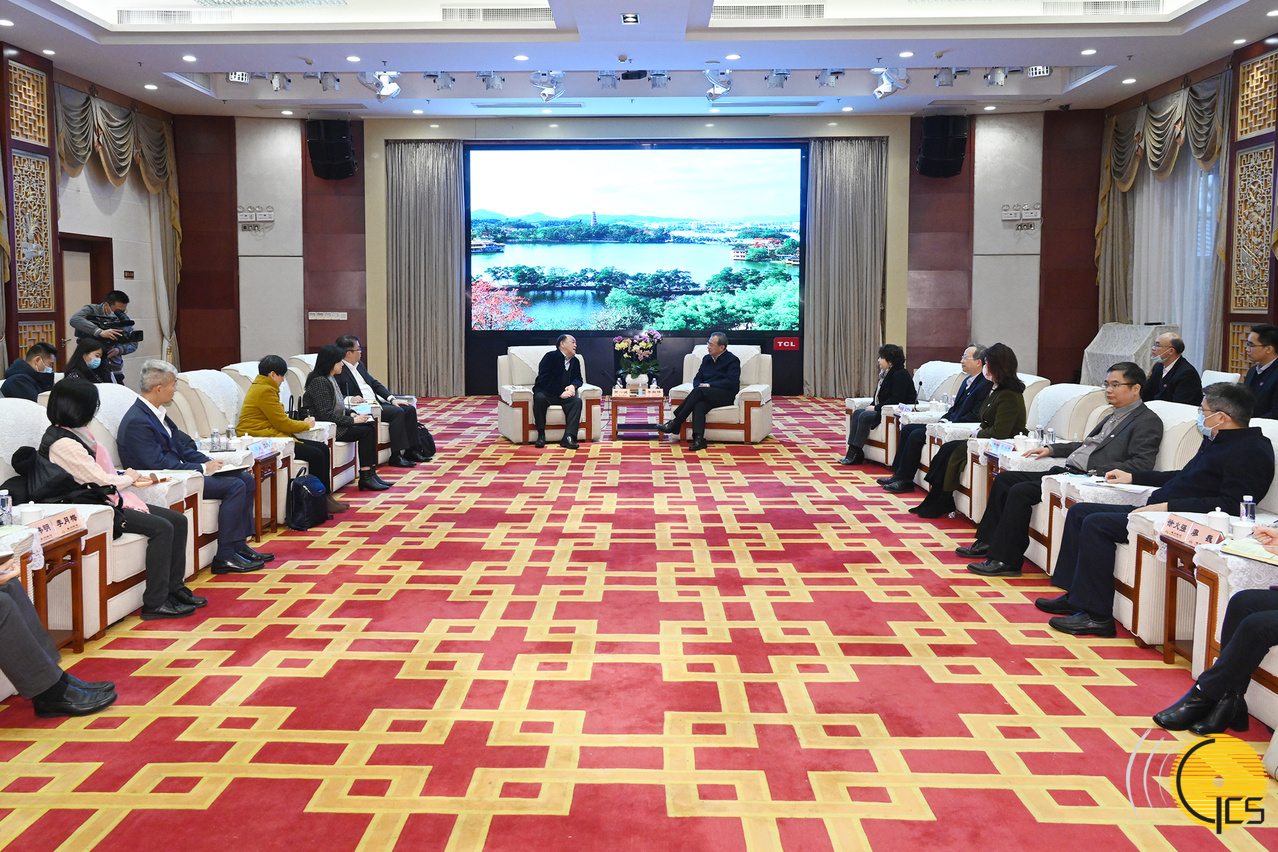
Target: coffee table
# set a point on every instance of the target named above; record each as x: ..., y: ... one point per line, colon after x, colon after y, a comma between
x: 653, y: 405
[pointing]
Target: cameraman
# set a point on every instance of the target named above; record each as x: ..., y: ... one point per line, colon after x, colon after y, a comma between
x: 124, y: 338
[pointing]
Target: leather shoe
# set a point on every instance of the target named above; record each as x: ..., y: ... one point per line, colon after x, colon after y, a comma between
x: 540, y: 442
x: 846, y: 460
x: 74, y: 702
x: 334, y: 505
x: 1230, y: 712
x: 1191, y: 708
x: 668, y: 428
x: 994, y: 568
x: 398, y: 460
x: 372, y: 482
x: 89, y: 685
x: 900, y: 486
x: 1082, y: 624
x: 236, y: 564
x: 416, y: 456
x: 936, y: 505
x: 569, y: 443
x: 251, y: 554
x: 185, y: 596
x: 1056, y: 606
x: 972, y: 551
x: 888, y: 480
x: 168, y: 609
x: 698, y: 444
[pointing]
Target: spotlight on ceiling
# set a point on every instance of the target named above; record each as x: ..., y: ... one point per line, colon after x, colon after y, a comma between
x: 330, y: 82
x: 491, y: 80
x: 659, y: 79
x: 441, y: 79
x: 280, y: 82
x: 891, y: 81
x: 551, y: 84
x: 996, y: 76
x: 944, y: 77
x: 607, y: 79
x: 629, y: 19
x: 828, y: 77
x: 776, y: 80
x: 382, y: 84
x: 720, y: 84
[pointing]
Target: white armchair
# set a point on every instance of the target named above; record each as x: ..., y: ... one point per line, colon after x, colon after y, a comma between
x: 516, y: 374
x: 749, y: 418
x: 303, y: 365
x: 933, y: 379
x: 344, y: 454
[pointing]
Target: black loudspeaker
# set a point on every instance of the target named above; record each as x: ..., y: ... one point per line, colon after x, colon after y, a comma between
x: 944, y: 146
x: 329, y: 144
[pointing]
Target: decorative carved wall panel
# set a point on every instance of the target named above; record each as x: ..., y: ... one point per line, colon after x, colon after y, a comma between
x: 1257, y: 91
x: 1253, y: 229
x: 1238, y: 362
x: 34, y: 332
x: 33, y: 231
x: 28, y: 104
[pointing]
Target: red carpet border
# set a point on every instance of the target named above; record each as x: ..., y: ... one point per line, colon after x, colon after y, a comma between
x: 631, y: 647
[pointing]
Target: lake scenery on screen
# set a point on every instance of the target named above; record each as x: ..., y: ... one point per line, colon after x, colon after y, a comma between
x: 578, y: 239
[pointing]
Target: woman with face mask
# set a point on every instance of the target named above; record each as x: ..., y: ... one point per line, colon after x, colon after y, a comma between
x: 86, y: 362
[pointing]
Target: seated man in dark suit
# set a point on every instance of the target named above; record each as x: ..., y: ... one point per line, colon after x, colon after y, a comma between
x: 149, y: 440
x: 27, y: 378
x: 1262, y: 350
x: 355, y: 381
x: 1172, y: 378
x: 1128, y: 439
x: 559, y: 382
x: 966, y: 409
x: 29, y: 658
x: 1234, y: 460
x: 716, y: 383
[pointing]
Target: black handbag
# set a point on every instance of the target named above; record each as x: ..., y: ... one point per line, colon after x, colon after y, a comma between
x: 45, y: 481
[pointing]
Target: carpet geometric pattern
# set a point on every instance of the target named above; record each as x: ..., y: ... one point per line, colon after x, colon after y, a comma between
x: 630, y: 647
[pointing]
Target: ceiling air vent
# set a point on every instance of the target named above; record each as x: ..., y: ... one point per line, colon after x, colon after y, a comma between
x: 498, y: 14
x: 772, y: 12
x: 267, y: 4
x: 1102, y: 8
x: 172, y: 17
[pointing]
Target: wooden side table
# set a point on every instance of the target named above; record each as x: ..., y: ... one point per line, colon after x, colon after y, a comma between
x: 264, y: 469
x: 60, y: 555
x: 1180, y: 566
x: 645, y: 402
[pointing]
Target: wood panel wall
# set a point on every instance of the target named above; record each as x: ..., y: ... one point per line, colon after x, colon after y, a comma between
x: 333, y: 248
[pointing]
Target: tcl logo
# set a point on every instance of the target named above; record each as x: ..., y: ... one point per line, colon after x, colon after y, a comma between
x: 785, y: 344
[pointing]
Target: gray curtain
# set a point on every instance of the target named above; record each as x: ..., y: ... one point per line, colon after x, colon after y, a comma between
x: 844, y: 266
x: 425, y: 266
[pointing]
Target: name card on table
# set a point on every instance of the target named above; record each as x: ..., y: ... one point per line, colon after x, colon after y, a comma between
x: 261, y: 449
x: 1190, y: 532
x: 998, y: 446
x: 56, y: 526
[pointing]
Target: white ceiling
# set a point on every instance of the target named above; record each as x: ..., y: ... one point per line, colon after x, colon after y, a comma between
x: 1159, y: 40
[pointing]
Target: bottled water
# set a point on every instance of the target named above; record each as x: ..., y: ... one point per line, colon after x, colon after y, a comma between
x: 214, y: 442
x: 1049, y: 436
x: 1246, y: 509
x: 6, y: 508
x: 230, y: 434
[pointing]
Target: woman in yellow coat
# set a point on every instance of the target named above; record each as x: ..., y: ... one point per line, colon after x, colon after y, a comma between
x: 263, y: 416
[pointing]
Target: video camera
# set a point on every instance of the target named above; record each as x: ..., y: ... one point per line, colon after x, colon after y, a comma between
x: 128, y: 334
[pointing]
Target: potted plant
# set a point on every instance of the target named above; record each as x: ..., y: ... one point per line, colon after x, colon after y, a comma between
x: 638, y: 357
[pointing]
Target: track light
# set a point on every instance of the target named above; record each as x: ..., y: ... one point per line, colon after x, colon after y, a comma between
x: 828, y: 77
x: 776, y: 80
x: 551, y: 84
x: 996, y: 76
x: 891, y: 80
x: 280, y: 82
x: 382, y: 84
x: 659, y: 79
x: 441, y: 79
x: 330, y: 82
x: 720, y: 84
x: 944, y: 77
x: 607, y: 79
x: 491, y: 80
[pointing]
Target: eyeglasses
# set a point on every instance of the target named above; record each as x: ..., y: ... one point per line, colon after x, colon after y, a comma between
x: 357, y: 349
x: 1247, y: 344
x: 1113, y: 385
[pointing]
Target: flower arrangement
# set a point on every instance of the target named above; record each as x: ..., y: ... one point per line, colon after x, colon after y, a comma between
x: 638, y: 353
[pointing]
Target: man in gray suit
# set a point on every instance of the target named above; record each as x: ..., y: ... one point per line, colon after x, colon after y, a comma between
x: 1128, y: 439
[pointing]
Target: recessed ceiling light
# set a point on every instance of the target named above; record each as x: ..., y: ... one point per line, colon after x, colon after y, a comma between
x: 150, y: 87
x: 552, y: 125
x: 286, y: 112
x: 990, y: 108
x: 418, y: 111
x: 714, y: 109
x: 629, y: 19
x: 847, y: 109
x: 1272, y: 14
x: 1129, y: 81
x: 732, y: 56
x: 352, y: 59
x: 709, y: 124
x: 47, y: 52
x: 833, y: 124
x: 521, y: 58
x: 1091, y: 51
x: 5, y: 22
x: 1240, y: 41
x: 547, y: 111
x: 905, y: 54
x: 434, y: 125
x: 1272, y: 40
x: 188, y: 58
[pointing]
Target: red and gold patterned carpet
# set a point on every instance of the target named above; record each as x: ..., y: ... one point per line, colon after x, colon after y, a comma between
x: 631, y: 647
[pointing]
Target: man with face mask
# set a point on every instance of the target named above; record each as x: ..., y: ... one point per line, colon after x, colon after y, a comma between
x: 1172, y: 378
x: 1234, y: 460
x: 115, y: 304
x: 31, y: 376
